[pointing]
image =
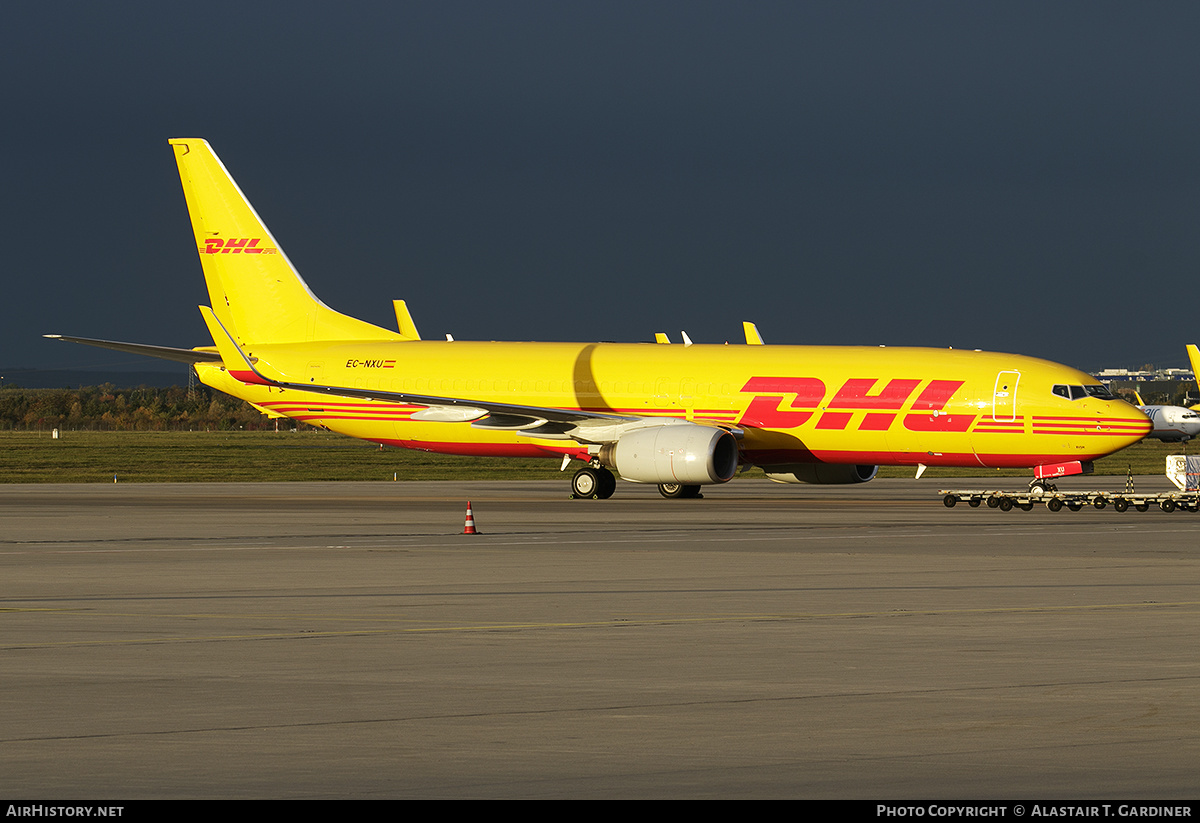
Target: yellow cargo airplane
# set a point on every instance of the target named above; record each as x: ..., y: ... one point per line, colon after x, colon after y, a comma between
x: 678, y: 416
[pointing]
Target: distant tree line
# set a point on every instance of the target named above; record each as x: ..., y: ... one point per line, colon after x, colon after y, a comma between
x: 106, y: 408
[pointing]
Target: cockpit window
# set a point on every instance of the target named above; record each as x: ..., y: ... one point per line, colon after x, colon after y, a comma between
x: 1079, y: 392
x: 1070, y: 392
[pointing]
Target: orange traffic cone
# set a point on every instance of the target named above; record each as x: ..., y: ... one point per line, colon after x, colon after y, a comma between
x: 469, y: 528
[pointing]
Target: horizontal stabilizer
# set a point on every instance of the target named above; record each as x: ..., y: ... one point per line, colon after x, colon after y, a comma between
x: 200, y: 354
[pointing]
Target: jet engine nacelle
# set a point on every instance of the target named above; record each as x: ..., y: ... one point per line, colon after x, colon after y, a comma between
x: 685, y: 453
x: 821, y: 473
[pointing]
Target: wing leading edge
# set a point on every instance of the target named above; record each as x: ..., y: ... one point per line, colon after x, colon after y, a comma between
x: 531, y: 421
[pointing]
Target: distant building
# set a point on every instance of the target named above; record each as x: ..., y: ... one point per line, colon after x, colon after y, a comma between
x: 1116, y: 375
x: 1172, y: 387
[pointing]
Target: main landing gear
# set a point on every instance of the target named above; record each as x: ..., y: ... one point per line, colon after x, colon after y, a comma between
x: 671, y: 490
x: 593, y: 483
x: 598, y: 483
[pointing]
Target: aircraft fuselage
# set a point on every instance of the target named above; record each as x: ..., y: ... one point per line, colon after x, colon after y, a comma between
x: 793, y: 404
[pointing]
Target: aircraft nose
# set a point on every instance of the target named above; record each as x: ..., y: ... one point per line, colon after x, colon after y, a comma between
x: 1127, y: 426
x: 1137, y: 427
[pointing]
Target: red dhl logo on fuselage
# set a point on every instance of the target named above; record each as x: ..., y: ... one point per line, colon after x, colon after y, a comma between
x: 767, y: 409
x: 234, y: 245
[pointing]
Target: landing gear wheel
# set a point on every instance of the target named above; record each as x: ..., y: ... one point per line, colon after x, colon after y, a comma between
x: 1040, y: 487
x: 608, y: 484
x: 593, y: 483
x: 672, y: 490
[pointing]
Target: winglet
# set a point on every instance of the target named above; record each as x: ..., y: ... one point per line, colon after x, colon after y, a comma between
x: 404, y: 321
x: 235, y: 360
x: 753, y: 338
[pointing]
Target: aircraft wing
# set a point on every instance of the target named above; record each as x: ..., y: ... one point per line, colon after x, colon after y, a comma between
x: 201, y: 354
x: 531, y: 421
x: 547, y: 423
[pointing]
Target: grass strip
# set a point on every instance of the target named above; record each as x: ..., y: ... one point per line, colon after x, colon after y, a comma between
x: 180, y: 457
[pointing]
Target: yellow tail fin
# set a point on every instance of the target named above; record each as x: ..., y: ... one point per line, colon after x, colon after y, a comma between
x: 255, y: 292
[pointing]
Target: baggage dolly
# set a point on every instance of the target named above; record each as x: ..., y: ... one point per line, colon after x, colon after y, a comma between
x: 1182, y: 470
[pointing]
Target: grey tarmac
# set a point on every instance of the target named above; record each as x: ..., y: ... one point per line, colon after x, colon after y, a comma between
x: 345, y: 640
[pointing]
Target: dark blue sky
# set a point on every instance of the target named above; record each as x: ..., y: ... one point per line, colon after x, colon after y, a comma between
x: 1009, y: 176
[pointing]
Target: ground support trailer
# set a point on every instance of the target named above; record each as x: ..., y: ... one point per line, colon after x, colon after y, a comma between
x: 1182, y: 470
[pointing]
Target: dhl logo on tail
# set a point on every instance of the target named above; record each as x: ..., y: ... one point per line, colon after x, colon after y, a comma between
x: 234, y: 245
